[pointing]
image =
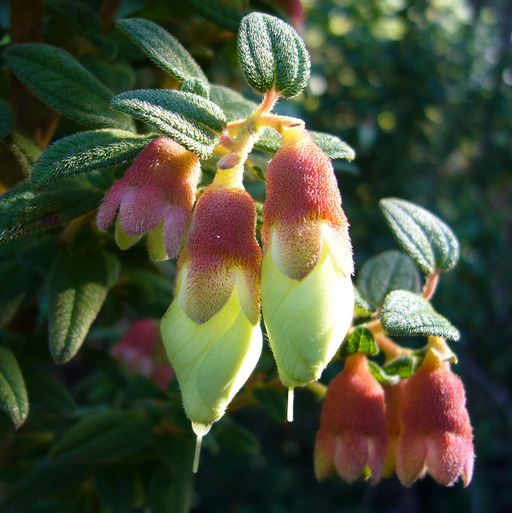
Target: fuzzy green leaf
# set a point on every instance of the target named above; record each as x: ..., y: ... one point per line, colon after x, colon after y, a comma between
x: 25, y: 149
x: 192, y: 120
x: 105, y: 436
x: 359, y: 341
x: 23, y: 210
x: 406, y: 313
x: 331, y: 145
x: 381, y: 375
x: 117, y: 75
x: 85, y: 151
x: 403, y: 367
x: 218, y: 13
x: 425, y: 238
x: 272, y: 55
x: 59, y: 80
x: 362, y: 307
x: 391, y: 270
x: 6, y: 118
x: 234, y: 105
x: 13, y: 394
x: 163, y: 49
x: 78, y: 286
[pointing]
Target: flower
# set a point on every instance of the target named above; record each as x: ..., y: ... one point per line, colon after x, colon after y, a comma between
x: 436, y: 431
x: 306, y: 289
x: 352, y: 435
x: 155, y: 195
x: 211, y: 330
x: 138, y: 350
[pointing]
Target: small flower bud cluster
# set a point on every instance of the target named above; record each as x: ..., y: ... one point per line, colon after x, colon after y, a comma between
x: 419, y: 425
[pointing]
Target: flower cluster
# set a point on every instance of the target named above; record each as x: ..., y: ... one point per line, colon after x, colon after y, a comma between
x: 417, y: 426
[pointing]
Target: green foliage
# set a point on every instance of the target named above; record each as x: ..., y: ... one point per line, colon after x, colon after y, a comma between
x: 359, y: 341
x: 406, y: 313
x: 6, y: 118
x: 425, y: 238
x: 13, y: 394
x: 381, y: 374
x: 163, y: 49
x: 59, y: 80
x: 85, y: 151
x: 272, y: 55
x: 190, y: 119
x: 384, y: 273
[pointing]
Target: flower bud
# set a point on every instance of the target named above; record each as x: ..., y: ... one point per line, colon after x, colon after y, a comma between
x: 211, y: 330
x: 307, y: 293
x: 155, y: 195
x: 436, y: 430
x: 352, y: 435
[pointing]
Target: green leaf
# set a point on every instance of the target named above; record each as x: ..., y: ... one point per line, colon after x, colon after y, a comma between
x: 218, y: 13
x: 116, y: 487
x: 192, y: 120
x: 163, y: 49
x: 6, y: 118
x: 78, y: 286
x: 406, y: 313
x: 391, y: 270
x: 196, y: 86
x: 117, y: 75
x: 234, y: 105
x: 424, y: 237
x: 380, y: 374
x: 237, y: 438
x: 272, y: 55
x: 25, y: 149
x: 85, y: 151
x: 59, y: 80
x: 403, y: 366
x: 13, y: 394
x: 359, y: 341
x: 105, y: 436
x: 362, y: 307
x: 273, y: 402
x: 23, y: 211
x: 331, y: 145
x: 43, y: 482
x: 169, y: 493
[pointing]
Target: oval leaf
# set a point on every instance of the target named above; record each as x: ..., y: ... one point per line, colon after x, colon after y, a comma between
x: 391, y: 270
x: 78, y: 286
x: 381, y: 375
x: 405, y: 313
x: 272, y: 55
x: 162, y: 48
x: 359, y: 341
x: 103, y: 437
x: 234, y: 105
x: 424, y: 237
x: 13, y: 394
x: 61, y: 82
x: 362, y: 307
x: 85, y: 151
x: 190, y: 119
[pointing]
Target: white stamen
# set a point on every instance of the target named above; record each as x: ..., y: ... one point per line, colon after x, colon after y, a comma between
x: 200, y: 430
x: 289, y: 412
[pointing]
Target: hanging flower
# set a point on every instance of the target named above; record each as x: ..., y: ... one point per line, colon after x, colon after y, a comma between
x: 155, y: 196
x: 352, y: 437
x: 307, y: 293
x: 211, y: 330
x: 436, y: 431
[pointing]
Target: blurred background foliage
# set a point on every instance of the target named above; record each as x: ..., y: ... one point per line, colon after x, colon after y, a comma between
x: 422, y: 89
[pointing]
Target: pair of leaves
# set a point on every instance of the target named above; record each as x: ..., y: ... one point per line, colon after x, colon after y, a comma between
x: 272, y: 55
x: 13, y: 393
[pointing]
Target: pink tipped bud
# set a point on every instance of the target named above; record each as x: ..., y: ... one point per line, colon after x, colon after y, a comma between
x: 159, y: 186
x: 352, y: 435
x: 436, y: 430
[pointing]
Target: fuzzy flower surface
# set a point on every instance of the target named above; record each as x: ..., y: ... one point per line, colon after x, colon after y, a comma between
x: 155, y: 196
x: 436, y: 431
x: 306, y: 286
x: 352, y: 437
x: 211, y: 330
